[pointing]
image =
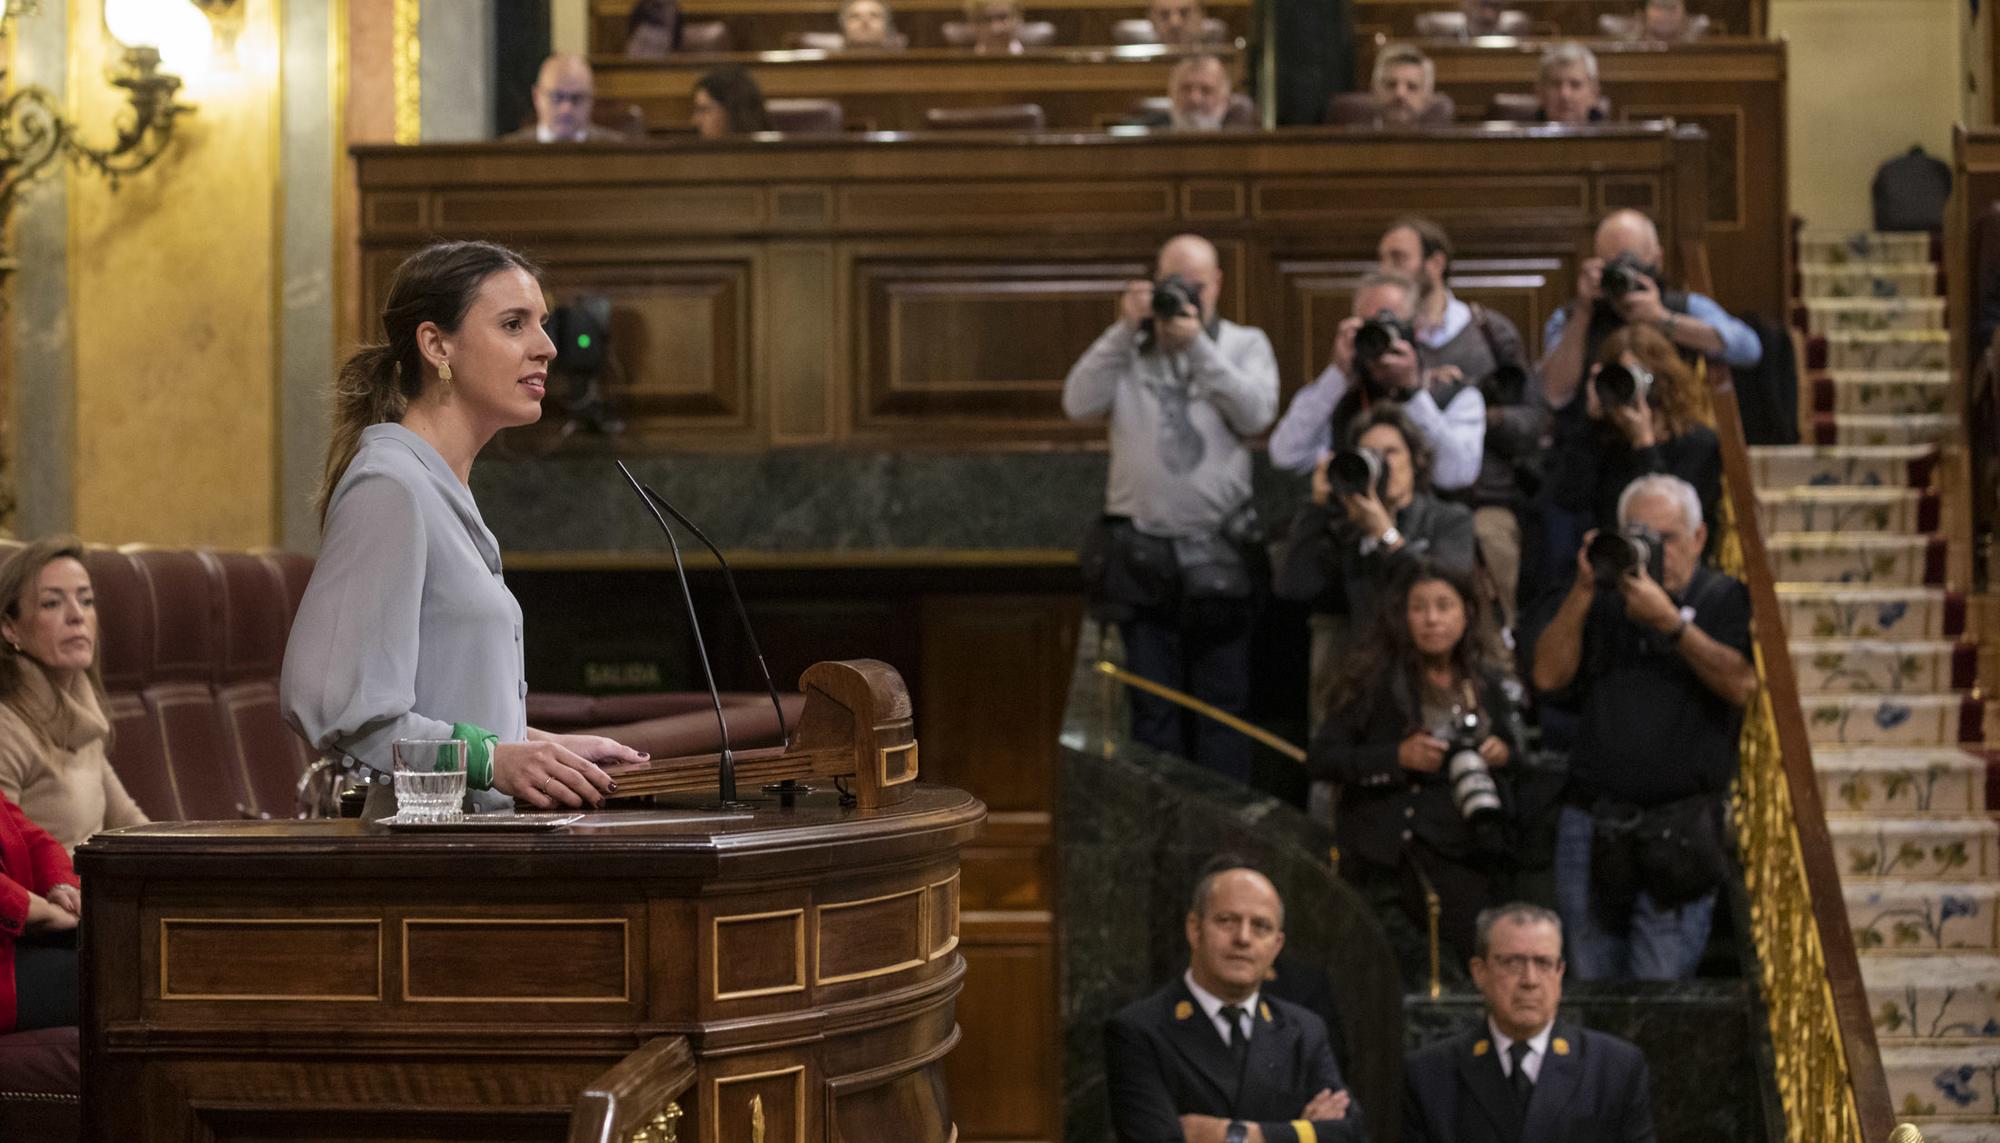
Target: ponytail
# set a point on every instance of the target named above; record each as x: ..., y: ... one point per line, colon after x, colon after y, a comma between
x: 436, y: 284
x: 364, y: 393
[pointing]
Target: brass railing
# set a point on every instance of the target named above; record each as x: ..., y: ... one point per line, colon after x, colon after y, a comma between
x: 1829, y: 1070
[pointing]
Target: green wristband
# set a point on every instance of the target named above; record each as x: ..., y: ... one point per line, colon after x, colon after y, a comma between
x: 479, y: 744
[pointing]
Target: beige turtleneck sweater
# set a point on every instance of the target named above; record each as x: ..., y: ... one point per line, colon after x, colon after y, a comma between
x: 55, y: 769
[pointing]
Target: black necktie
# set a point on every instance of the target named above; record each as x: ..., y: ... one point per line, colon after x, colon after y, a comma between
x: 1238, y: 1044
x: 1524, y: 1088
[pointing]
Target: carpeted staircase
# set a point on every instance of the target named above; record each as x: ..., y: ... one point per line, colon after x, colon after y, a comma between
x: 1887, y: 676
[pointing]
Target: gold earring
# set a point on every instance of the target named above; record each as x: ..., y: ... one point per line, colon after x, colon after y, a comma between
x: 444, y: 372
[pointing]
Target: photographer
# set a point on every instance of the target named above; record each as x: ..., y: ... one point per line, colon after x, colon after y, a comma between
x: 1642, y: 418
x: 1468, y: 342
x: 1653, y: 649
x: 1371, y: 510
x: 1379, y: 344
x: 1423, y: 718
x: 1623, y: 286
x: 1172, y: 560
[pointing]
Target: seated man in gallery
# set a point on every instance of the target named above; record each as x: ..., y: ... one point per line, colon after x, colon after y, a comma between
x: 565, y: 92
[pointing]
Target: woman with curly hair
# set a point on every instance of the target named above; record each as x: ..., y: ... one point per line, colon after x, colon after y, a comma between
x: 1652, y: 425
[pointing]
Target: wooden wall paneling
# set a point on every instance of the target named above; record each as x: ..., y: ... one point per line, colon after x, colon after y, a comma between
x: 763, y: 25
x: 416, y: 1011
x: 1076, y: 87
x: 680, y: 335
x: 1577, y: 19
x: 1733, y: 89
x: 875, y: 291
x: 999, y: 664
x: 800, y: 365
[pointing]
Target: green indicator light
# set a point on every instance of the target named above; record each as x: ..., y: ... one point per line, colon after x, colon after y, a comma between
x: 583, y: 341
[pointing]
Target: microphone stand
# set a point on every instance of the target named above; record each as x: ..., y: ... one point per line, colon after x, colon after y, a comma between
x: 791, y: 787
x: 725, y: 769
x: 742, y: 613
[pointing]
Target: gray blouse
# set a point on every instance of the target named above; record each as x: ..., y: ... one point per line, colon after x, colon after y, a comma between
x: 407, y: 625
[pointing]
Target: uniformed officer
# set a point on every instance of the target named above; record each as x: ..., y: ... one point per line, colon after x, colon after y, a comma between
x: 1523, y: 1074
x: 1209, y: 1058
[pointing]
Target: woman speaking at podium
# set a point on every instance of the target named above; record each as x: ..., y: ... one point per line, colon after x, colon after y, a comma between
x: 407, y: 629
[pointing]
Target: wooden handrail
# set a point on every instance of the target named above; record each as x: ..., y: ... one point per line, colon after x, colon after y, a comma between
x: 1829, y: 1067
x: 635, y: 1101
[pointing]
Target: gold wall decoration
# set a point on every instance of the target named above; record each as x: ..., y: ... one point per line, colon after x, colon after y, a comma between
x: 35, y: 131
x: 408, y: 52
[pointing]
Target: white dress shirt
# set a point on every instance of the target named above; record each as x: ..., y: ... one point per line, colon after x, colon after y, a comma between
x: 1538, y: 1047
x: 1212, y: 1005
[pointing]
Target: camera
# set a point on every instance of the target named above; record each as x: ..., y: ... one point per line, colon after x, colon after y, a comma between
x: 1622, y: 275
x: 1373, y: 340
x: 1357, y: 472
x: 1473, y: 790
x: 1614, y: 555
x: 1621, y: 384
x: 1173, y: 296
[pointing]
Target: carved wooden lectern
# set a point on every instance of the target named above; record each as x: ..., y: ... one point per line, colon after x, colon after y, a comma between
x: 339, y: 981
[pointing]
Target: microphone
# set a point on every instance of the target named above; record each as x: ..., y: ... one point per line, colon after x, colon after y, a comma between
x: 736, y: 598
x: 725, y: 768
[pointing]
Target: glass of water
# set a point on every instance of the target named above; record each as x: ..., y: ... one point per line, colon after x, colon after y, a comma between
x: 430, y: 779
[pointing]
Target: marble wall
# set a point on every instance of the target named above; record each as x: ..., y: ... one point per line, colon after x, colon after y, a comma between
x: 813, y: 500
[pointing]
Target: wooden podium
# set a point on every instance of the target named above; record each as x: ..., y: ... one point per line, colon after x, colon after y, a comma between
x: 331, y: 980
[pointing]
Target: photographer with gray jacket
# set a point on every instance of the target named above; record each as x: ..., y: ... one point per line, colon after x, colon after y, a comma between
x: 1174, y: 560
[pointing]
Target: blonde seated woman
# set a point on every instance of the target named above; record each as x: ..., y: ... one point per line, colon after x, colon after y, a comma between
x: 53, y: 732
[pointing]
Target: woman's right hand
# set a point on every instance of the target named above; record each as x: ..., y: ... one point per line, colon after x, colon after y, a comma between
x: 1421, y: 752
x: 44, y: 916
x: 548, y: 776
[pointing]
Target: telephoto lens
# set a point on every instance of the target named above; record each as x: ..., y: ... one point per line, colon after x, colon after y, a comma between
x: 1621, y: 384
x: 1473, y: 790
x: 1357, y: 472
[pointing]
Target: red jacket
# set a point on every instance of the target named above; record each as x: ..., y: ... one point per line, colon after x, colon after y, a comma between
x: 30, y: 862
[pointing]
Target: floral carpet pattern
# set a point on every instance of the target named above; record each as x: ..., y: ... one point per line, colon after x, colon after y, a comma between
x: 1886, y: 675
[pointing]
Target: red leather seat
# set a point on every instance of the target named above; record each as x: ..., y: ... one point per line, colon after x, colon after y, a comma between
x: 185, y: 604
x: 191, y: 644
x: 40, y: 1086
x: 1526, y: 107
x: 1141, y: 31
x: 1359, y: 109
x: 1032, y: 33
x: 1005, y: 117
x: 257, y: 609
x: 806, y: 116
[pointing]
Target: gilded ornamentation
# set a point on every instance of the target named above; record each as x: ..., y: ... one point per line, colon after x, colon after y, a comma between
x: 34, y: 132
x: 1811, y: 1062
x: 406, y: 51
x: 1814, y: 1081
x: 665, y: 1126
